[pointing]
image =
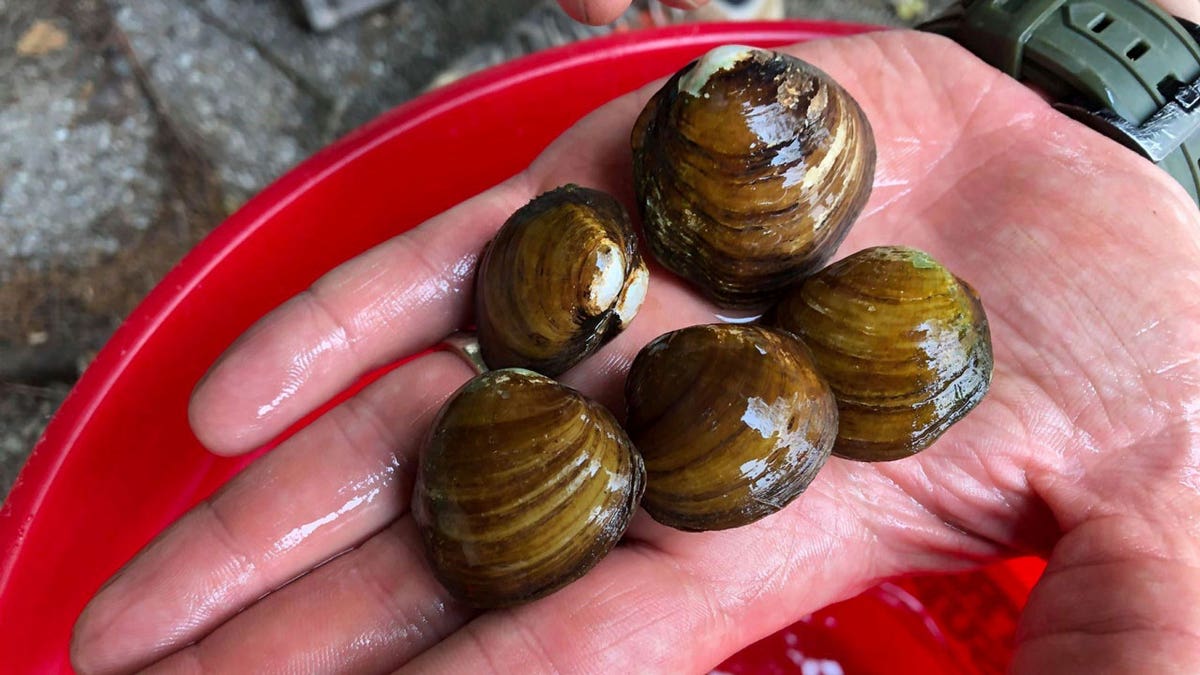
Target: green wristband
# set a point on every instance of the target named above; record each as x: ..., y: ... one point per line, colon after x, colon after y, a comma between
x: 1123, y: 67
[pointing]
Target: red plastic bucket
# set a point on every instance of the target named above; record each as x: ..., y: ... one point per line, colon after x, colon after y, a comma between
x: 118, y: 461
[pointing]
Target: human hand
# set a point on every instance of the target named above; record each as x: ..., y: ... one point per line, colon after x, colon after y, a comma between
x: 1086, y: 256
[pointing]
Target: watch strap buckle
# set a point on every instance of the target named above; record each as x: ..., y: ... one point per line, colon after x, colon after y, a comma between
x: 1159, y: 136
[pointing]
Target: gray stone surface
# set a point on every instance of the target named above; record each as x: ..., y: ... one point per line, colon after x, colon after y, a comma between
x: 142, y: 123
x: 251, y: 120
x: 98, y: 196
x: 366, y: 66
x: 866, y: 11
x: 881, y: 12
x: 24, y: 411
x: 75, y: 149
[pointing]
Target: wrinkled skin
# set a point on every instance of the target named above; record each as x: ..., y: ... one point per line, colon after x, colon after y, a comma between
x: 1087, y: 449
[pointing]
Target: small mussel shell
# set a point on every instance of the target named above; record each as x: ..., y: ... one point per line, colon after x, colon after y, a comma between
x: 750, y: 167
x: 902, y: 341
x: 733, y: 423
x: 523, y: 486
x: 561, y: 278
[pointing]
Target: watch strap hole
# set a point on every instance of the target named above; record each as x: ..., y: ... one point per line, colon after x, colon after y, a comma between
x: 1137, y: 51
x: 1101, y: 22
x: 1169, y: 86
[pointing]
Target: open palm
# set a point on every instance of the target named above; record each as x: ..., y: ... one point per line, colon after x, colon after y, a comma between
x: 1088, y: 261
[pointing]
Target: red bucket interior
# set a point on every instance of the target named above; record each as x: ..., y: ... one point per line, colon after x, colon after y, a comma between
x: 118, y: 461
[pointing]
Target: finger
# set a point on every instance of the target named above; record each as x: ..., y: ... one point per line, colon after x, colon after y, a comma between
x: 685, y: 4
x: 394, y: 300
x: 1184, y: 9
x: 594, y: 12
x: 326, y: 489
x: 1119, y: 595
x: 368, y: 611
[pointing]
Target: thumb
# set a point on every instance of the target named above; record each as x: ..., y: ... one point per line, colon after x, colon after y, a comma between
x: 594, y: 12
x: 599, y: 12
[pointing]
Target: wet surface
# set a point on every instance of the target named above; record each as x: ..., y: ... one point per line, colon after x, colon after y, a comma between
x: 129, y: 129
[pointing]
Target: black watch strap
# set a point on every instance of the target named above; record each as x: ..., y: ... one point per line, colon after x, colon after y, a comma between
x: 1123, y: 67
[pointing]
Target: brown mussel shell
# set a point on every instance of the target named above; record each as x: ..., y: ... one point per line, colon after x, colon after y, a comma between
x: 750, y: 167
x: 561, y: 278
x: 523, y: 486
x: 903, y: 343
x: 733, y: 423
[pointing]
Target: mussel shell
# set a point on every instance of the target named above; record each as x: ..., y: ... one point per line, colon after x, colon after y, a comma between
x: 733, y: 423
x: 523, y: 486
x: 903, y: 342
x: 750, y: 167
x: 562, y: 277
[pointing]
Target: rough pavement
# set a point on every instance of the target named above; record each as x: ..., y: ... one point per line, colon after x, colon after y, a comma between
x: 129, y: 128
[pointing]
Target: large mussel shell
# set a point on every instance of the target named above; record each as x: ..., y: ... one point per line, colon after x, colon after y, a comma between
x: 750, y: 167
x: 523, y: 486
x: 561, y: 278
x: 733, y: 423
x: 902, y: 341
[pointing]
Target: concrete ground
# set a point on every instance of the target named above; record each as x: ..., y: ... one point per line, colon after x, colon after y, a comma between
x: 129, y: 128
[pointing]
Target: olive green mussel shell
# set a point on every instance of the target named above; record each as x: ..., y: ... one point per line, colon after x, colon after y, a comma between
x: 561, y: 278
x: 733, y: 423
x: 523, y: 486
x: 750, y: 167
x: 902, y: 341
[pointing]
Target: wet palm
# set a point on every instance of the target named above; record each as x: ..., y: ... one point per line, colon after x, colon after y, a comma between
x: 1088, y: 261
